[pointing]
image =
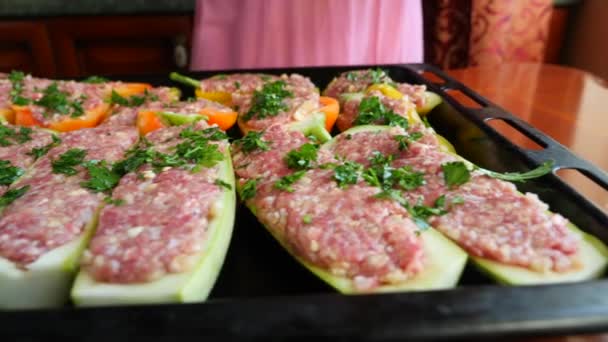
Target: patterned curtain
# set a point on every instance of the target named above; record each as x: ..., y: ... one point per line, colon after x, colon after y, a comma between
x: 461, y: 33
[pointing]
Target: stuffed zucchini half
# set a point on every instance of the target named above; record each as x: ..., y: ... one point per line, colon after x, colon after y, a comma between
x: 589, y: 261
x: 174, y: 225
x: 441, y: 265
x: 50, y: 215
x: 47, y: 281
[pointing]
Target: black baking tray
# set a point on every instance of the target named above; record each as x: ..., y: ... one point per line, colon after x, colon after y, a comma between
x: 263, y: 294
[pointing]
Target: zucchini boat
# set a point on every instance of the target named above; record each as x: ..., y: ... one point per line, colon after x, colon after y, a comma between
x: 592, y: 253
x: 50, y: 222
x: 193, y: 283
x: 47, y: 281
x: 443, y: 262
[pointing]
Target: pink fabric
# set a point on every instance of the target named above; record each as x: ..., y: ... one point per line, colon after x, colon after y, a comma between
x: 232, y: 34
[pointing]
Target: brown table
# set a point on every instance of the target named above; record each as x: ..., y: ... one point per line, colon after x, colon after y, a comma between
x: 567, y: 104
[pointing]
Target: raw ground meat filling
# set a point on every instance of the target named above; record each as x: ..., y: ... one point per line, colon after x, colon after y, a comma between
x: 498, y: 223
x: 56, y: 208
x: 90, y: 97
x: 350, y: 109
x: 355, y: 81
x: 359, y: 80
x: 163, y: 222
x: 328, y: 227
x: 302, y: 101
x: 269, y: 164
x: 494, y: 221
x: 236, y: 83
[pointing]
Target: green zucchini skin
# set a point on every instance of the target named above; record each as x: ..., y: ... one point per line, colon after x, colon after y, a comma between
x: 594, y: 252
x: 192, y: 286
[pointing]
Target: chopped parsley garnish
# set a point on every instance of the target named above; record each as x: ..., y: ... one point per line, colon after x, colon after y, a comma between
x: 223, y: 184
x: 220, y: 76
x: 384, y: 176
x: 134, y: 158
x: 268, y: 101
x: 249, y: 189
x: 211, y: 133
x: 38, y: 152
x: 377, y: 75
x: 457, y: 200
x: 237, y: 85
x: 252, y: 141
x: 352, y: 76
x: 16, y: 79
x: 132, y: 101
x: 347, y: 173
x: 95, y: 79
x: 9, y: 173
x: 307, y: 218
x: 57, y: 101
x: 405, y: 140
x: 194, y: 149
x: 302, y: 158
x: 9, y: 135
x: 114, y: 201
x: 67, y: 161
x: 285, y: 183
x: 542, y: 170
x: 455, y: 173
x: 102, y: 178
x: 11, y: 195
x: 372, y: 111
x: 419, y: 212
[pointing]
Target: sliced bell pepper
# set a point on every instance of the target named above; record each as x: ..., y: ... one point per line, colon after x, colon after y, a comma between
x: 331, y: 108
x: 385, y: 89
x: 148, y: 121
x: 222, y: 97
x: 91, y: 118
x: 224, y: 119
x: 130, y: 89
x: 7, y: 115
x: 25, y: 117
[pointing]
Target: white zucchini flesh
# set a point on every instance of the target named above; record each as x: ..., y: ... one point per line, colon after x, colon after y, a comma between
x: 192, y: 286
x: 46, y: 282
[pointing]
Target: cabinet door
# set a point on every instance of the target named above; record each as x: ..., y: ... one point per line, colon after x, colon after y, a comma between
x: 24, y: 45
x: 120, y: 44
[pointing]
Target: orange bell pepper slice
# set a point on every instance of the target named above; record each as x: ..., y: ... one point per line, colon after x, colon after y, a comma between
x: 24, y: 117
x: 91, y: 118
x: 224, y: 119
x: 130, y: 89
x: 7, y: 115
x: 331, y: 108
x: 148, y: 121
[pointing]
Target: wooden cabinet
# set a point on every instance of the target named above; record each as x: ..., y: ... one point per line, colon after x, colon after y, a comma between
x: 25, y: 45
x: 105, y: 45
